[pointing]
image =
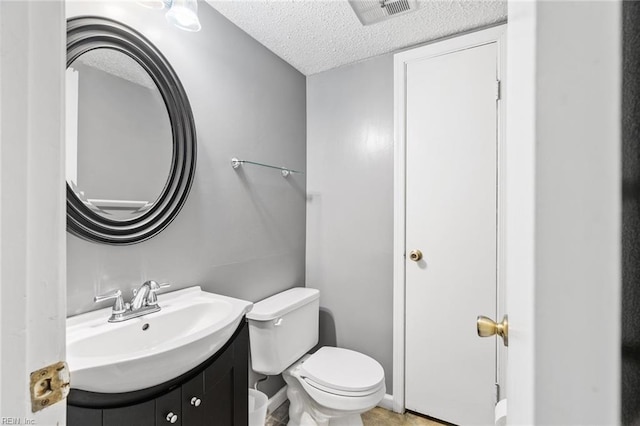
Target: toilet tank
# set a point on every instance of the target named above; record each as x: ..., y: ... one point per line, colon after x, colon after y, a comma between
x: 282, y: 328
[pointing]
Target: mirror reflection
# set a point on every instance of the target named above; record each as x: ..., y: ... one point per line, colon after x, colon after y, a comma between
x: 119, y: 137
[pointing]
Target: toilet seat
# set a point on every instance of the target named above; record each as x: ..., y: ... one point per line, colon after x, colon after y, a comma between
x: 342, y: 372
x: 343, y: 403
x: 338, y: 392
x: 330, y: 401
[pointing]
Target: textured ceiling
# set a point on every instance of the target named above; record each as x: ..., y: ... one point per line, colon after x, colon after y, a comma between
x: 117, y: 64
x: 317, y: 35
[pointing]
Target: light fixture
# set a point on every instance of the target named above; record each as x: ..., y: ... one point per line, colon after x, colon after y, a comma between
x: 182, y: 13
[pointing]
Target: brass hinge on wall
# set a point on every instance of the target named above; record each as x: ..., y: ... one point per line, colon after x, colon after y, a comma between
x: 49, y: 385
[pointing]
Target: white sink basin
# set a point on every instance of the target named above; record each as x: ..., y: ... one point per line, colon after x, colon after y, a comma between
x: 151, y: 349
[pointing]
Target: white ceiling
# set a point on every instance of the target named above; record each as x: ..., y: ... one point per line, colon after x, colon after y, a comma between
x: 317, y: 35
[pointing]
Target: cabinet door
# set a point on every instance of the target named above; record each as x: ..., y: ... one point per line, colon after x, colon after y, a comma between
x: 194, y: 403
x: 135, y: 415
x: 218, y: 380
x: 226, y: 385
x: 78, y: 416
x: 169, y: 410
x: 241, y: 379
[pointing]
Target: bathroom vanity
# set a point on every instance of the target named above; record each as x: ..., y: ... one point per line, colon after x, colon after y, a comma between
x: 213, y: 393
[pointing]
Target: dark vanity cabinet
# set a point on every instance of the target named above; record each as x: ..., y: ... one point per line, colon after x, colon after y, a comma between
x: 214, y: 394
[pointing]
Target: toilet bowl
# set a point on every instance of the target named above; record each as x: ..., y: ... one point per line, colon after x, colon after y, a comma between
x: 332, y: 386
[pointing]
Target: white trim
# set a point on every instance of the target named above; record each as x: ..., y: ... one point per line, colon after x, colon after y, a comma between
x: 398, y: 235
x: 387, y: 402
x: 466, y: 41
x: 277, y: 400
x: 520, y: 220
x: 501, y: 207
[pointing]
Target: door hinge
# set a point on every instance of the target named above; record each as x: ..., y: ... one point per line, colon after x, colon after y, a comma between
x: 497, y: 393
x: 498, y: 86
x: 49, y: 385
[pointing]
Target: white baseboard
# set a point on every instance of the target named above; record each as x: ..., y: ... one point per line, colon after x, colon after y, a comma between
x: 387, y: 402
x: 277, y: 400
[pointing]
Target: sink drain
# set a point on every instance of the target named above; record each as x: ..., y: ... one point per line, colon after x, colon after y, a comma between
x: 144, y: 327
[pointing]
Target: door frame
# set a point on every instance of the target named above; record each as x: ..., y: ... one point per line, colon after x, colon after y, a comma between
x: 495, y: 34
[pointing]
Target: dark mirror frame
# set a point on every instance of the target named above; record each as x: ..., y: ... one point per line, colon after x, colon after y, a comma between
x: 88, y: 33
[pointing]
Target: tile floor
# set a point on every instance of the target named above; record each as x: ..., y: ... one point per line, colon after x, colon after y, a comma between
x: 376, y: 417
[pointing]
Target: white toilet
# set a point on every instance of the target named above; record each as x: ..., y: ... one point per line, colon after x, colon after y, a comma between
x: 330, y: 387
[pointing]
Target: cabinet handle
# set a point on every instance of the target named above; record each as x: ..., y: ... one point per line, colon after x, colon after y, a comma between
x: 195, y: 401
x: 172, y: 418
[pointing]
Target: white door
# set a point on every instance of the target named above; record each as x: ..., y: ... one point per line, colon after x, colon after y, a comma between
x: 452, y: 219
x: 32, y: 207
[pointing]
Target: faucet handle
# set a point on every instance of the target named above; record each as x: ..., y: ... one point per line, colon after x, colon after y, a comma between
x: 154, y: 287
x: 118, y: 305
x: 111, y: 295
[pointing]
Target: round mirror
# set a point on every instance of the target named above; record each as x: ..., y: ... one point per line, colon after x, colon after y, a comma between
x: 130, y: 135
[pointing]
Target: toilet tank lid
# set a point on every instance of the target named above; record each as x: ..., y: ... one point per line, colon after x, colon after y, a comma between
x: 282, y: 303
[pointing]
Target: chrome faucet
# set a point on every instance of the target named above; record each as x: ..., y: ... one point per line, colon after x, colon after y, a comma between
x: 145, y: 301
x: 145, y: 295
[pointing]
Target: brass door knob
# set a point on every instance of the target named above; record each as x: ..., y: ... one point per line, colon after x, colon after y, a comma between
x: 415, y: 255
x: 488, y: 327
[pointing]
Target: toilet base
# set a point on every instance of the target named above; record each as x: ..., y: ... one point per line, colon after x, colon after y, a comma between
x: 304, y: 412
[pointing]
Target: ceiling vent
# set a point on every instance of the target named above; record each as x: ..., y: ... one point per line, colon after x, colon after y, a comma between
x: 373, y: 11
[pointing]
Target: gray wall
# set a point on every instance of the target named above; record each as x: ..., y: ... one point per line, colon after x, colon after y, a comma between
x: 122, y: 123
x: 241, y: 233
x: 631, y: 215
x: 350, y: 205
